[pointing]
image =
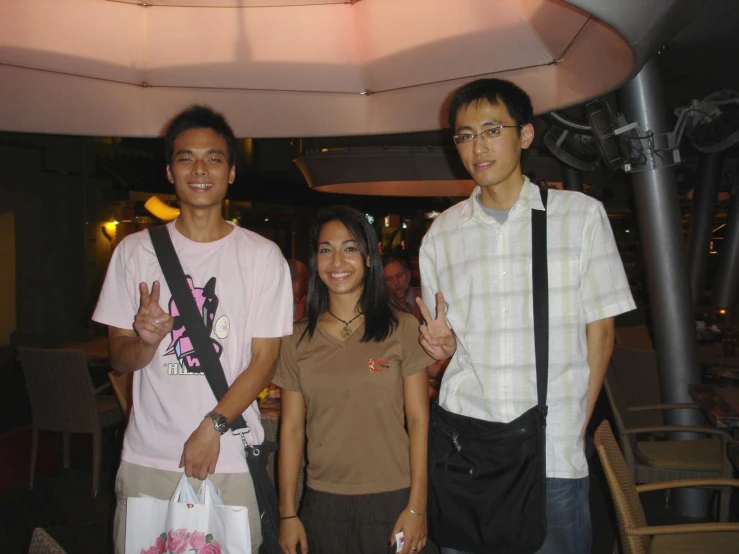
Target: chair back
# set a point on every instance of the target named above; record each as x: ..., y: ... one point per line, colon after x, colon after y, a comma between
x: 618, y: 406
x: 42, y: 543
x: 629, y: 512
x: 636, y: 375
x: 60, y: 389
x: 122, y: 388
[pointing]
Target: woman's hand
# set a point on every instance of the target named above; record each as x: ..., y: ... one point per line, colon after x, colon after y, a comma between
x: 292, y: 534
x: 414, y: 531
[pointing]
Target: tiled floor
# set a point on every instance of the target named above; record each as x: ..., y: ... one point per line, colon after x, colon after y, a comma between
x: 61, y: 501
x: 62, y: 504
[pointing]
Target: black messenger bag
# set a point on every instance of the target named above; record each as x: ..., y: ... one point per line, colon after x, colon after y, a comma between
x: 487, y: 480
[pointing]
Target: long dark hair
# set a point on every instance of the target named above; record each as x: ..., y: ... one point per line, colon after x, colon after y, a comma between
x: 379, y: 317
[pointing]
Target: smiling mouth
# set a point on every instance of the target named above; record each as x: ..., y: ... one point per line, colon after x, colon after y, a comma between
x: 200, y: 186
x: 341, y: 275
x: 483, y: 165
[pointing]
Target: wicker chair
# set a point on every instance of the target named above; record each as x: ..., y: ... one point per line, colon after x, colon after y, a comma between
x: 63, y: 400
x: 122, y: 383
x: 42, y: 543
x: 639, y: 538
x: 632, y: 387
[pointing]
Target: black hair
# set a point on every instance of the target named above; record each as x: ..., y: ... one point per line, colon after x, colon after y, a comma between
x: 380, y: 318
x: 394, y: 259
x: 495, y: 91
x: 199, y: 117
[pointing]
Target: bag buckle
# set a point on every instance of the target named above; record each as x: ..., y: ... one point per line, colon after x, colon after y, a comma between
x: 242, y: 433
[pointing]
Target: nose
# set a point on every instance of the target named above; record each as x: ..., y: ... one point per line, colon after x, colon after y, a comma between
x: 199, y: 167
x: 479, y: 146
x: 336, y: 257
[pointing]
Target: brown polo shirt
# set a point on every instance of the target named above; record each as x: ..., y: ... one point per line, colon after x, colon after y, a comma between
x: 353, y: 390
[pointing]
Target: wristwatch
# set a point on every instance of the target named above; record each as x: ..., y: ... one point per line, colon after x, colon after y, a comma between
x: 219, y: 422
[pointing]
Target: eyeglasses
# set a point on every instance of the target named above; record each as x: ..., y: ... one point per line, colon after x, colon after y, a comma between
x: 488, y: 134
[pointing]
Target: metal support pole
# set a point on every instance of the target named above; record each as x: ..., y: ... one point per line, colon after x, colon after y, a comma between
x: 725, y: 287
x: 571, y: 178
x: 705, y: 195
x: 660, y: 230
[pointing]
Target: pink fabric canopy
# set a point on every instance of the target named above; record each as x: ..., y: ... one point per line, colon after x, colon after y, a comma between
x: 283, y: 68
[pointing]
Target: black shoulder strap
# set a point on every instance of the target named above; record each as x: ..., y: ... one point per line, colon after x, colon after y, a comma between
x: 540, y: 281
x: 188, y: 309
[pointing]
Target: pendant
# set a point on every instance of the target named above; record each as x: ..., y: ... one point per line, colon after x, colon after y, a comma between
x: 346, y: 332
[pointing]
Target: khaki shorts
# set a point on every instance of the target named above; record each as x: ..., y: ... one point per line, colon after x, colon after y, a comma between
x: 237, y: 489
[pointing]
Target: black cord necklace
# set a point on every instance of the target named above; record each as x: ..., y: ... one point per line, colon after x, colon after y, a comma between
x: 346, y: 331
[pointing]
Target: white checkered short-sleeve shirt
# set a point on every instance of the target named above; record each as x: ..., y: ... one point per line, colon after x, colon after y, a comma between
x: 484, y: 270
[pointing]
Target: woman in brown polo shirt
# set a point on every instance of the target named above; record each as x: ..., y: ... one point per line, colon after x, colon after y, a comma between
x: 352, y: 376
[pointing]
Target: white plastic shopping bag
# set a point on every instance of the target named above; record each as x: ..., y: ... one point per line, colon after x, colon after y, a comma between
x: 188, y: 523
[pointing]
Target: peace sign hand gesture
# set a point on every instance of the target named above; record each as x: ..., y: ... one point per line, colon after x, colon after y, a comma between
x: 151, y: 323
x: 437, y: 338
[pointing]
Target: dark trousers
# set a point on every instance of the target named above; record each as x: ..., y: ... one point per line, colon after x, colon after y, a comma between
x: 360, y: 523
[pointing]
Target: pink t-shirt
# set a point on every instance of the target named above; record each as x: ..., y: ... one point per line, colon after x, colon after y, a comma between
x: 242, y: 286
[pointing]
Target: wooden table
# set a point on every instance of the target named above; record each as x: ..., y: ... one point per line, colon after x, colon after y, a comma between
x: 96, y: 351
x: 713, y: 355
x: 719, y: 404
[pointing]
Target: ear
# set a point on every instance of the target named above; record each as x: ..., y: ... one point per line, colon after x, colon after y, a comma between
x: 232, y: 175
x: 170, y: 177
x: 527, y: 136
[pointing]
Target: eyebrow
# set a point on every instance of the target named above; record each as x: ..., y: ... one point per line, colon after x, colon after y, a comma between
x: 211, y: 151
x: 493, y: 123
x: 342, y: 242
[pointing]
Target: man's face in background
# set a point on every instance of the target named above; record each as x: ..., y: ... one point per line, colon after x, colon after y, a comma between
x: 397, y: 280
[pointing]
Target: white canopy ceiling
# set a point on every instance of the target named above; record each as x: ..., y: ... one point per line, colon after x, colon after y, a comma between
x: 280, y: 68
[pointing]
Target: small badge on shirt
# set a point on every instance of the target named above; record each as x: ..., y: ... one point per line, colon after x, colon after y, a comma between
x: 223, y: 326
x: 378, y: 366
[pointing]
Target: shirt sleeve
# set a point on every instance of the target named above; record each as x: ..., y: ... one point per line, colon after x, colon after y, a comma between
x: 119, y: 296
x: 415, y: 358
x: 275, y: 310
x: 604, y: 288
x: 286, y: 374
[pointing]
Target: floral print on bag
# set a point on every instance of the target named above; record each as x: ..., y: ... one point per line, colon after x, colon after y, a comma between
x: 179, y: 541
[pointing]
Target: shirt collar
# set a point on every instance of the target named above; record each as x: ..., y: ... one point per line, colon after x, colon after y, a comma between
x: 529, y: 199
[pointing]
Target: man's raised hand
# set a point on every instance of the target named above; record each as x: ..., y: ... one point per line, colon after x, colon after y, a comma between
x: 151, y: 323
x: 436, y: 337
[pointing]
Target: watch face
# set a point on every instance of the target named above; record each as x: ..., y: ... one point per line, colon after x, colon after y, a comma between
x: 219, y: 421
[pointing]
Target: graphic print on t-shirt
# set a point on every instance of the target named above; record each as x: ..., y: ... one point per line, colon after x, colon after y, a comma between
x: 377, y: 366
x: 181, y: 345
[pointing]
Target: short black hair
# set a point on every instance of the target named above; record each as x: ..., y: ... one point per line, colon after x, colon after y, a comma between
x: 379, y: 317
x: 394, y: 259
x: 199, y: 117
x: 495, y: 91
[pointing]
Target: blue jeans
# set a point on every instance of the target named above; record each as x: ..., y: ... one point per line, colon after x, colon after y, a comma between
x: 568, y: 518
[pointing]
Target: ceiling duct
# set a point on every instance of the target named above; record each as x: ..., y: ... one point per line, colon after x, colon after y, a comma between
x: 567, y: 123
x: 577, y: 150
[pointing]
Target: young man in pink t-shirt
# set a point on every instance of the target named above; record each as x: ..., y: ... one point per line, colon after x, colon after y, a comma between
x: 241, y: 284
